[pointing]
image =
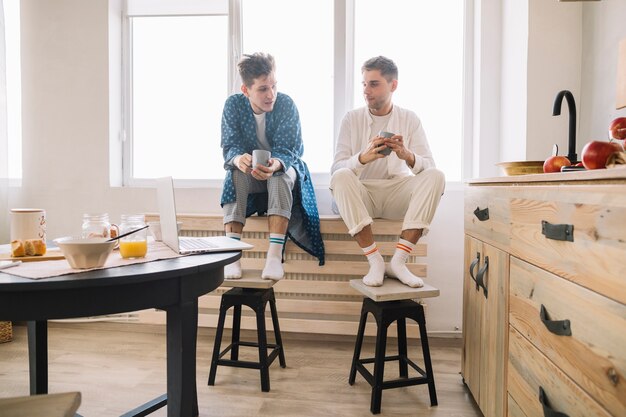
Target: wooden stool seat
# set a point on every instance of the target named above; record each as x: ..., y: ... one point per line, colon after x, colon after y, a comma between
x: 256, y: 298
x: 392, y: 302
x: 45, y: 405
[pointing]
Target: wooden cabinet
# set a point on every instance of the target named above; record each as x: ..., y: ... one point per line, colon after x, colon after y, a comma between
x: 551, y: 331
x: 485, y: 323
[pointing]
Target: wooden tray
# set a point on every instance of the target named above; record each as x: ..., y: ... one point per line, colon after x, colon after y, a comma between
x: 50, y: 255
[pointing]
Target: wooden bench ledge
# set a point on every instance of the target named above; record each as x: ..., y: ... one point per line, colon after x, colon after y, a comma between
x: 311, y: 298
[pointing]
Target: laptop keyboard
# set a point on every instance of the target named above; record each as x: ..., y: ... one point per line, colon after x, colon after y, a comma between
x: 193, y: 244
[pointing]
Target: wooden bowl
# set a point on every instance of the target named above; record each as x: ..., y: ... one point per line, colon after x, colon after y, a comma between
x: 522, y: 167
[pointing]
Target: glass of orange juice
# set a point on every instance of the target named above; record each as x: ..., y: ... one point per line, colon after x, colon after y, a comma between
x: 134, y: 245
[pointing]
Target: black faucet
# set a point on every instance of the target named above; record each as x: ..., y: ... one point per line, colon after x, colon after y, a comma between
x: 556, y: 110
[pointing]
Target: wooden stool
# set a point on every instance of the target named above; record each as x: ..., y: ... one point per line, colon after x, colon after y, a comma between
x: 388, y: 303
x: 255, y: 293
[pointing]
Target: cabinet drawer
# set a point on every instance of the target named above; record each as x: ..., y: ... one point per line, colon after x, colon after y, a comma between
x: 593, y: 355
x: 596, y: 257
x: 491, y: 201
x: 529, y: 370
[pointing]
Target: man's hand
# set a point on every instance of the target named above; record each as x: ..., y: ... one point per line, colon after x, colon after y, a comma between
x: 262, y: 173
x: 396, y: 143
x: 372, y: 152
x: 244, y: 163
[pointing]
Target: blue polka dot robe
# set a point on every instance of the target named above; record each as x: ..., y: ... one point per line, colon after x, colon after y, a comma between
x: 284, y: 134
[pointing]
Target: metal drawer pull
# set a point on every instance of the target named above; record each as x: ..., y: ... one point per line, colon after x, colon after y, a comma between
x: 483, y: 214
x: 558, y: 231
x: 472, y: 266
x: 558, y: 327
x: 547, y: 410
x: 480, y: 280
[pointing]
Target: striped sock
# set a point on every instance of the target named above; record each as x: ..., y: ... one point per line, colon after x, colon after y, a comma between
x: 376, y: 274
x: 233, y: 271
x: 273, y: 264
x: 397, y: 267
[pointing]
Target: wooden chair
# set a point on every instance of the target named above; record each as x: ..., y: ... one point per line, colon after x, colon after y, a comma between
x: 45, y: 405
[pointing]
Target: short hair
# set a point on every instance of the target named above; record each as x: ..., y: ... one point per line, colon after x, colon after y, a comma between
x: 253, y: 66
x: 386, y: 66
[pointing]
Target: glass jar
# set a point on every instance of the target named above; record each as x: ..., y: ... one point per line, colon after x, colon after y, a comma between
x: 134, y: 245
x: 97, y: 225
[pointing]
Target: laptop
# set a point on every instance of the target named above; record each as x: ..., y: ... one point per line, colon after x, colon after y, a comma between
x: 187, y: 245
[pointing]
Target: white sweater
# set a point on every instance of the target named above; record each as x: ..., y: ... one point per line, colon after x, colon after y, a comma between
x: 354, y: 136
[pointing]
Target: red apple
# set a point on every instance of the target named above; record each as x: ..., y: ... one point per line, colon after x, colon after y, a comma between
x: 617, y: 129
x: 554, y: 163
x: 596, y: 153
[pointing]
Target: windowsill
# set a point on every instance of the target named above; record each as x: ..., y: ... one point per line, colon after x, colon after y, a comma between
x: 321, y: 181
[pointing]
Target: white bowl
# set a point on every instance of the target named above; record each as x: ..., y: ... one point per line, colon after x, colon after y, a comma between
x: 155, y: 229
x: 85, y: 253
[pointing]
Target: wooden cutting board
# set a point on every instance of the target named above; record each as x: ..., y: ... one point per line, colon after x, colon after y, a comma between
x: 50, y: 255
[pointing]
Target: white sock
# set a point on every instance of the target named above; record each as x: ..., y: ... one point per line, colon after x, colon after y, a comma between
x: 274, y: 262
x: 397, y: 267
x: 233, y: 271
x: 376, y: 274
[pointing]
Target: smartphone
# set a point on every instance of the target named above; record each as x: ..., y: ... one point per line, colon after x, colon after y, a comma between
x: 9, y: 264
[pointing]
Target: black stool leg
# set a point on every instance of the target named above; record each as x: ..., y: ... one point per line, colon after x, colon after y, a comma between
x: 379, y: 367
x: 262, y: 336
x: 358, y: 345
x: 402, y: 350
x: 218, y: 341
x: 279, y: 340
x: 234, y: 352
x: 427, y: 362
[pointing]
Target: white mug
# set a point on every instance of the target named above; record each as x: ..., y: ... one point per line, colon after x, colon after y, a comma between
x: 28, y: 223
x: 260, y: 157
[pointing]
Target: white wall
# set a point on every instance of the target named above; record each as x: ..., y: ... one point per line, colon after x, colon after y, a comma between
x: 66, y: 75
x: 513, y: 94
x: 558, y: 46
x: 554, y: 51
x: 604, y: 24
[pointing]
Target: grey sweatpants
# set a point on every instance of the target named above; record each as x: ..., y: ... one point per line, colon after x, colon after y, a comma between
x: 279, y: 188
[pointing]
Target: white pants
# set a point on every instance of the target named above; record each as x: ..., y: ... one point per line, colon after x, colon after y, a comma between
x: 413, y: 199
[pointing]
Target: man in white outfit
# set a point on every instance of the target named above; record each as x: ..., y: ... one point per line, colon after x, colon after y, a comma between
x: 367, y: 184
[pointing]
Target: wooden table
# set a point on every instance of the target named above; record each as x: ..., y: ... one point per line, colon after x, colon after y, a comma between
x: 173, y: 285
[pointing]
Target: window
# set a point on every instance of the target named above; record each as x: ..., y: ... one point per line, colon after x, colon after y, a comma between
x: 303, y: 49
x: 181, y: 67
x: 425, y: 40
x: 177, y: 71
x: 14, y: 87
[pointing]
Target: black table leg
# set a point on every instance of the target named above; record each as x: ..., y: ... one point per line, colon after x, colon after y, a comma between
x: 38, y: 356
x: 182, y: 332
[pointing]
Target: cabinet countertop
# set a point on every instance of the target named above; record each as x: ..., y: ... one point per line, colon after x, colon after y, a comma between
x: 611, y: 175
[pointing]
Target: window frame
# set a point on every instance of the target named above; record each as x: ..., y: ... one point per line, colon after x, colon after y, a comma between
x: 343, y: 82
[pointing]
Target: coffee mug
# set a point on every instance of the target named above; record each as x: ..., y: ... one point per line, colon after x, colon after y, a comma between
x: 260, y: 157
x: 386, y: 135
x: 28, y: 223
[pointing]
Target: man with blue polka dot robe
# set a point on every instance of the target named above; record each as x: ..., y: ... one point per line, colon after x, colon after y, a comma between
x: 262, y: 118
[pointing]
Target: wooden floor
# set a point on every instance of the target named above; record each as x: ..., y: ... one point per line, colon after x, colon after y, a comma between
x: 118, y: 366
